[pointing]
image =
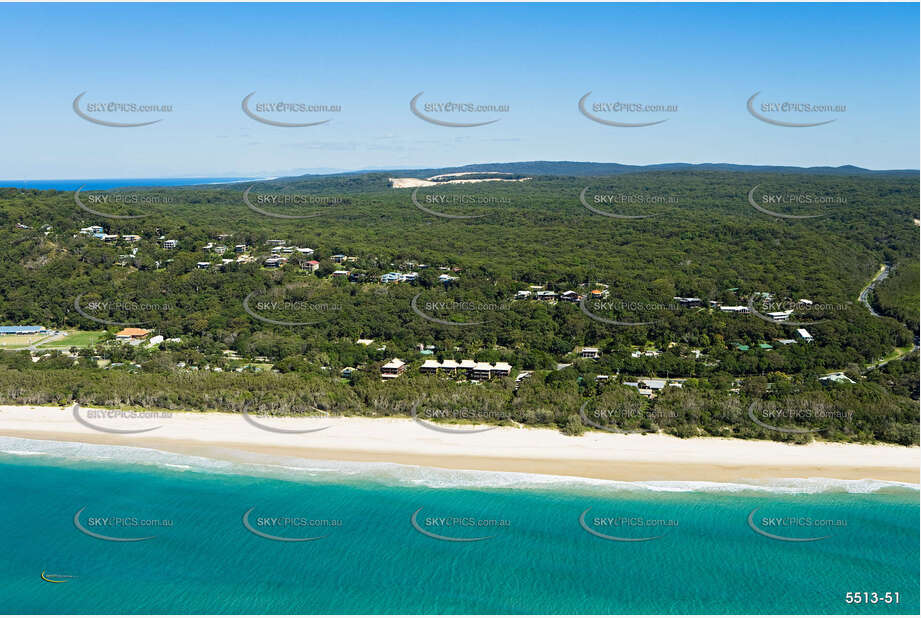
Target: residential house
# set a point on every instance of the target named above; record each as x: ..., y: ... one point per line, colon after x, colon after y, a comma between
x: 779, y: 316
x: 239, y: 248
x: 310, y: 265
x: 128, y: 334
x: 275, y: 262
x: 589, y: 353
x: 688, y: 301
x: 481, y: 371
x: 501, y: 369
x: 735, y: 308
x: 469, y: 368
x: 339, y: 258
x: 203, y: 265
x: 393, y: 369
x: 430, y: 366
x: 570, y: 296
x: 131, y: 237
x: 170, y: 244
x: 276, y: 242
x: 650, y: 387
x: 653, y: 384
x: 522, y: 294
x: 804, y: 335
x: 397, y: 277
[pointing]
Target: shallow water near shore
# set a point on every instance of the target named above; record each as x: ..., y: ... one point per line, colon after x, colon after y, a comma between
x: 549, y: 544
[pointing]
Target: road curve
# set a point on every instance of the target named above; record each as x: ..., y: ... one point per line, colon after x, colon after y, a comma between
x: 882, y: 274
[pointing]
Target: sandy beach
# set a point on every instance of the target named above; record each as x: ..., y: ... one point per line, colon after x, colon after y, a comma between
x: 505, y: 449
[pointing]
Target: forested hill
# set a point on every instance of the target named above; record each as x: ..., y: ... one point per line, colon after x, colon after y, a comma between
x: 586, y: 168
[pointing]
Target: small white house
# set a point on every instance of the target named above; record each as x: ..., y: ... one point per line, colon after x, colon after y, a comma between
x: 780, y: 316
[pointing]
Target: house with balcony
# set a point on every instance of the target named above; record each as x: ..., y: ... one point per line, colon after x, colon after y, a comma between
x: 393, y: 369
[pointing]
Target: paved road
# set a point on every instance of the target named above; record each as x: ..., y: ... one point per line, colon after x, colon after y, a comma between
x: 51, y: 337
x: 882, y: 274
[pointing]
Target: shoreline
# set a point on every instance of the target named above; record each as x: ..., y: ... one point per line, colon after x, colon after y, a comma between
x: 595, y: 455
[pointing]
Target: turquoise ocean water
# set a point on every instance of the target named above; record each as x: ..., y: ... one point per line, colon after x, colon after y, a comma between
x: 703, y: 556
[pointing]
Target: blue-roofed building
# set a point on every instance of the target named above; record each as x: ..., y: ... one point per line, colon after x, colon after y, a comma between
x: 21, y: 330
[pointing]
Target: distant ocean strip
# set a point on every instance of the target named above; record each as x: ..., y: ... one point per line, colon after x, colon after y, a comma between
x: 99, y: 184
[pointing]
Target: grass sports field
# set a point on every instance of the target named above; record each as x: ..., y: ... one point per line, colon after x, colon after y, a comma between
x: 78, y: 338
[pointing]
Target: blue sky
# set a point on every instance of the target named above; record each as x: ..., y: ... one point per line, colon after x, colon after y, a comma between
x: 371, y: 59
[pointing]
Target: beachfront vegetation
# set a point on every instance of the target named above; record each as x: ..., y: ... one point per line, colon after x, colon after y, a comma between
x: 704, y: 241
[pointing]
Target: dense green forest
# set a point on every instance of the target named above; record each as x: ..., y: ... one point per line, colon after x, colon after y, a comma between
x: 704, y: 240
x: 898, y: 295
